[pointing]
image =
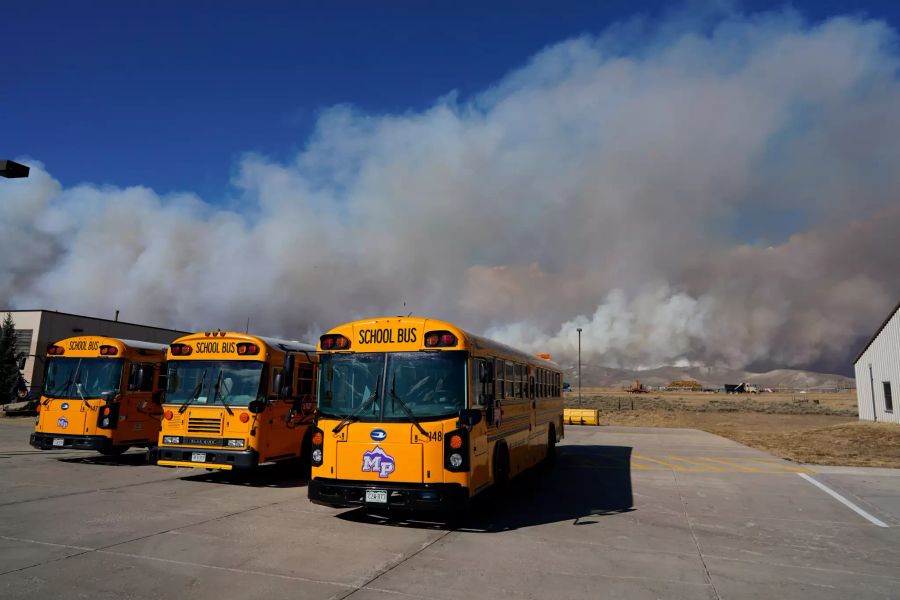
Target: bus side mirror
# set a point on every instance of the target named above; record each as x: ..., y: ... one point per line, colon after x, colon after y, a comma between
x: 256, y: 406
x: 285, y: 384
x: 108, y: 397
x: 20, y: 362
x: 278, y: 384
x: 140, y: 378
x: 469, y: 417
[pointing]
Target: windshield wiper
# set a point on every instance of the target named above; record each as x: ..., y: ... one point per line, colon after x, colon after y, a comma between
x: 405, y: 408
x: 355, y: 414
x: 216, y: 394
x: 73, y: 375
x: 195, y: 394
x: 83, y: 399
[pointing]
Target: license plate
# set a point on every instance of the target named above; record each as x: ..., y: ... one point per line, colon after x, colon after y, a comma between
x: 376, y: 496
x: 198, y: 456
x: 58, y: 441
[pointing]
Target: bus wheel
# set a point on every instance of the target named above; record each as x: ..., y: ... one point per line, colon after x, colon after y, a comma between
x: 305, y: 451
x: 551, y: 445
x: 501, y: 466
x: 113, y: 450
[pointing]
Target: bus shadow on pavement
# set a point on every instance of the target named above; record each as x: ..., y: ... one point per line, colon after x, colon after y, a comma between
x: 267, y: 476
x: 131, y: 459
x: 585, y: 484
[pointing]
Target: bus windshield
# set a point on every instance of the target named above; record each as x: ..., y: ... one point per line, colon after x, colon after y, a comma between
x: 66, y: 377
x: 427, y: 384
x: 206, y: 382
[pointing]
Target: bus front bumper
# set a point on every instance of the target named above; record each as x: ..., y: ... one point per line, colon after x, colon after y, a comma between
x: 213, y: 458
x: 409, y: 496
x: 59, y: 441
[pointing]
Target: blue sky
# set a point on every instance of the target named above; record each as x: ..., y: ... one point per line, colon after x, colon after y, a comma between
x: 170, y: 95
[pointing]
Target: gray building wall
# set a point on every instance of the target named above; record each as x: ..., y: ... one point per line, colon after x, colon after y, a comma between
x: 46, y: 327
x: 882, y: 356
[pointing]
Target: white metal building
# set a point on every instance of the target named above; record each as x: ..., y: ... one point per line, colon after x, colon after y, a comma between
x: 878, y: 373
x: 36, y: 329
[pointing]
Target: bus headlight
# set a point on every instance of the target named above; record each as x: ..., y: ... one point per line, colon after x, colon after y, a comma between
x: 456, y: 450
x: 235, y: 443
x: 317, y: 456
x: 171, y: 439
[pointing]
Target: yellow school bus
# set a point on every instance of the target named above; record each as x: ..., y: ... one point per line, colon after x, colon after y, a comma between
x: 100, y: 394
x: 236, y: 401
x: 416, y: 413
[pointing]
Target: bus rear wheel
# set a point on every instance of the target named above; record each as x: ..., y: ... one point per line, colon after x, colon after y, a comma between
x: 551, y: 445
x: 501, y: 466
x: 113, y: 450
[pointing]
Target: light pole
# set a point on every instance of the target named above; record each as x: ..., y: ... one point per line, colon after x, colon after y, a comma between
x: 579, y: 366
x: 11, y: 169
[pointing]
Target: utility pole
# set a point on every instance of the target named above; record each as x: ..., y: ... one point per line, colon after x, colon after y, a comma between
x: 579, y: 366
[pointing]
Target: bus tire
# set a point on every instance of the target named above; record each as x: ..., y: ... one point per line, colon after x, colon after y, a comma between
x: 113, y: 450
x: 551, y: 444
x: 500, y: 466
x: 305, y: 451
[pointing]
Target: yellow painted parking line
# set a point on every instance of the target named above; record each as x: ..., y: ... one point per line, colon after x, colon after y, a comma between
x: 703, y: 466
x: 669, y: 465
x: 639, y: 467
x: 786, y: 468
x: 737, y: 466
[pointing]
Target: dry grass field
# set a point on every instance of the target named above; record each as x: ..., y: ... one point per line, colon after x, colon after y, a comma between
x: 808, y: 428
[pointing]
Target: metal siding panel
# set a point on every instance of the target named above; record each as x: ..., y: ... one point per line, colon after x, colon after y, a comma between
x: 884, y: 356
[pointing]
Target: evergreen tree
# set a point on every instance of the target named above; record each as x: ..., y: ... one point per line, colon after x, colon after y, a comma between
x: 9, y: 369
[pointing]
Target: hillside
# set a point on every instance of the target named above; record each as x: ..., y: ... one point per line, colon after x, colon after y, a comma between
x: 596, y: 376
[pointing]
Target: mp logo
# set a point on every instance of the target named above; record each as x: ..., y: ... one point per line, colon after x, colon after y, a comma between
x: 378, y: 461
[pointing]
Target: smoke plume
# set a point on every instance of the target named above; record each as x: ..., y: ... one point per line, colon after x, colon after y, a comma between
x: 721, y: 193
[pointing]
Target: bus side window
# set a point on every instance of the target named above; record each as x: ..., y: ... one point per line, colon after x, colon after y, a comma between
x: 484, y: 381
x: 499, y: 378
x: 304, y: 379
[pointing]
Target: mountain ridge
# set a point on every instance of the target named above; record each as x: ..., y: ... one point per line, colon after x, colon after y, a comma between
x: 598, y: 376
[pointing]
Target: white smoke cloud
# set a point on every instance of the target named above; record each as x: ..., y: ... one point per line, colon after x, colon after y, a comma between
x: 719, y: 193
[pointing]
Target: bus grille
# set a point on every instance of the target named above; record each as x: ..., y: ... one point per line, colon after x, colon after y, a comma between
x: 204, y: 425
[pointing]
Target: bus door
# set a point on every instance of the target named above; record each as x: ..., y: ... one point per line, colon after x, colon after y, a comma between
x: 274, y: 439
x: 137, y: 405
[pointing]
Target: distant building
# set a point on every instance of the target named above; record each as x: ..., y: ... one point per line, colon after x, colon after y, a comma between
x: 878, y: 373
x: 37, y: 329
x: 741, y: 388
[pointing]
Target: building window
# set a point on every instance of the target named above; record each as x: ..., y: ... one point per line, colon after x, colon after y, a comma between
x: 888, y: 398
x: 23, y: 341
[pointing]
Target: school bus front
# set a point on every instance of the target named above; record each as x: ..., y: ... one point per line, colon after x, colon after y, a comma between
x: 392, y: 430
x: 235, y: 401
x: 100, y: 394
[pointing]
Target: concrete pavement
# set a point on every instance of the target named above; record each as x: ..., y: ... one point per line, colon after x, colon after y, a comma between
x: 625, y: 513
